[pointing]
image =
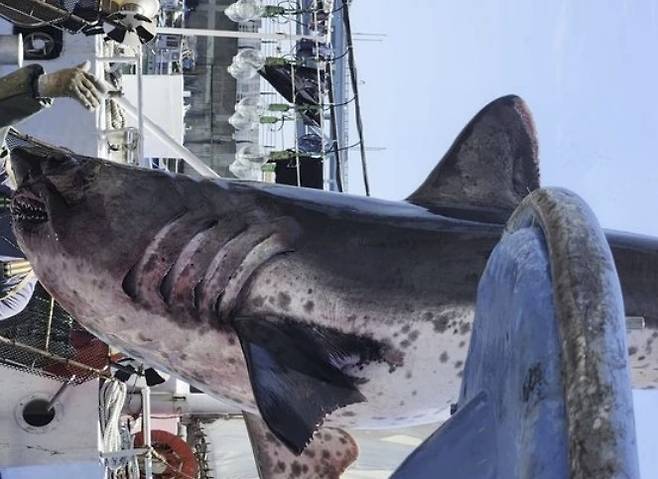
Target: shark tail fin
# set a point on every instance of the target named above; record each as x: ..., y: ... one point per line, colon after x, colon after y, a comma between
x: 329, y: 453
x: 492, y: 165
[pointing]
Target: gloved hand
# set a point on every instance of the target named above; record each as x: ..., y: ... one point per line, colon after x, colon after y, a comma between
x: 76, y: 83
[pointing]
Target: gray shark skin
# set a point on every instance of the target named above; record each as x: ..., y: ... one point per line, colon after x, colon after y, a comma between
x: 304, y: 306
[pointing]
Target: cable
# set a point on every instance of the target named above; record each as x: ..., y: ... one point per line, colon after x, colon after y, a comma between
x: 345, y: 53
x: 331, y: 105
x: 276, y: 130
x: 344, y: 148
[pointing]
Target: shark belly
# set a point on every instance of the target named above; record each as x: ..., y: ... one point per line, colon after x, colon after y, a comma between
x: 404, y: 305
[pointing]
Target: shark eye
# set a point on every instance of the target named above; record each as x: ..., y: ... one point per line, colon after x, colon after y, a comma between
x: 57, y: 165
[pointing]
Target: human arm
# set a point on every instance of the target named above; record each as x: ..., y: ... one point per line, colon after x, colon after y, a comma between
x: 19, y: 97
x: 77, y: 83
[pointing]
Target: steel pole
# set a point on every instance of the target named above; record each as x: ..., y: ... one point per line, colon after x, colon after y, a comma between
x: 140, y: 107
x: 203, y: 32
x: 146, y: 431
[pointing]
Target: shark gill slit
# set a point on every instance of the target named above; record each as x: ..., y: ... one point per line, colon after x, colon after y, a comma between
x: 199, y: 290
x: 196, y: 260
x: 130, y: 280
x: 196, y: 295
x: 261, y: 254
x: 144, y: 278
x: 199, y: 240
x: 228, y: 260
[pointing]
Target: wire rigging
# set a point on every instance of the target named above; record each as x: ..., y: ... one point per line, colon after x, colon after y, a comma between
x: 334, y: 131
x: 355, y: 89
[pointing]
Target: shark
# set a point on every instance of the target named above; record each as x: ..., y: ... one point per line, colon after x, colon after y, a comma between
x: 305, y: 308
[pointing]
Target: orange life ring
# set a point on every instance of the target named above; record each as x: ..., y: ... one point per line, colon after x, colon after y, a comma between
x: 181, y: 462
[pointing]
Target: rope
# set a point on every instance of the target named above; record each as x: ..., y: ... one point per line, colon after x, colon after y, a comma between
x: 111, y: 401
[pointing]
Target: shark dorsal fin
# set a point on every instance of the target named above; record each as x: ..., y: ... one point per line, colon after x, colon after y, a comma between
x: 492, y: 165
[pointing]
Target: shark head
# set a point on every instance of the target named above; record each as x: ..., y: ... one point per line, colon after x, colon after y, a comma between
x: 85, y: 223
x: 104, y: 237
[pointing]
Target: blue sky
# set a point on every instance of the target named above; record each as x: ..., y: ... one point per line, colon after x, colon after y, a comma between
x: 588, y: 70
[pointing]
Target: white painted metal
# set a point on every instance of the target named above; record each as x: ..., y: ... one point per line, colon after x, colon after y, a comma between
x: 11, y: 50
x: 140, y: 106
x: 177, y: 150
x: 168, y: 404
x: 146, y: 431
x: 163, y: 102
x: 72, y: 436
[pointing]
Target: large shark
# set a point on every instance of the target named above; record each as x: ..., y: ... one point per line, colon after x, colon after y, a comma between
x: 302, y: 306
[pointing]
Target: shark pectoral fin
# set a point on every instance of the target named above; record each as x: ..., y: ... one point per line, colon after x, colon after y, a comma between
x: 295, y: 375
x: 329, y: 453
x: 492, y: 165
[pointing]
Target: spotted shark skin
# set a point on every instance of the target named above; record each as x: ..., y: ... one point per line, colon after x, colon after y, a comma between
x: 309, y: 308
x: 327, y: 456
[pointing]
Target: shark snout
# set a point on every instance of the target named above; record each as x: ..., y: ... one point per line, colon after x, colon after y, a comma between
x: 44, y: 182
x: 25, y: 166
x: 29, y: 166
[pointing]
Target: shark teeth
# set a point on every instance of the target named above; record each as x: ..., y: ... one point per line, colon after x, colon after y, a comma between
x: 27, y: 209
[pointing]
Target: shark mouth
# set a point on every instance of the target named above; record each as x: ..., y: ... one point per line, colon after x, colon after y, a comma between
x: 28, y: 208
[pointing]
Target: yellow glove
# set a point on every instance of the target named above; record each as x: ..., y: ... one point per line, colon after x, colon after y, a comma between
x: 76, y: 83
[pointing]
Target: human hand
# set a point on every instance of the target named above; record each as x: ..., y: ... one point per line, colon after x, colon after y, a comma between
x: 77, y: 83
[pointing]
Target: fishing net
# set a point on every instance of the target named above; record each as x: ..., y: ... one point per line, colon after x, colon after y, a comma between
x: 45, y: 340
x: 15, y: 139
